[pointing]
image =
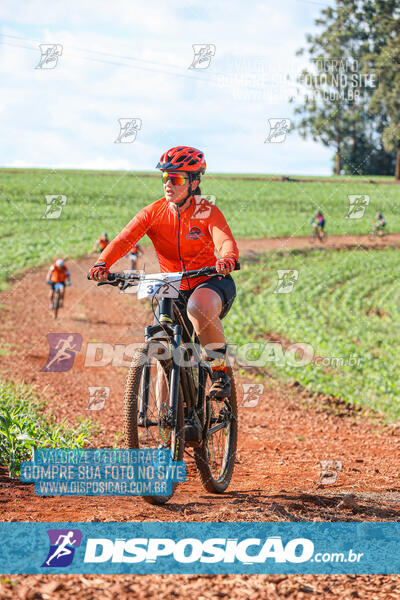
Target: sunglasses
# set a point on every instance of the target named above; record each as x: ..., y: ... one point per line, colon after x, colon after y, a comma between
x: 175, y: 179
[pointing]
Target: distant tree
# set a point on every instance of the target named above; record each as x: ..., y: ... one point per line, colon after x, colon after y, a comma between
x: 379, y: 33
x: 386, y: 98
x: 364, y: 153
x: 331, y: 107
x: 345, y: 108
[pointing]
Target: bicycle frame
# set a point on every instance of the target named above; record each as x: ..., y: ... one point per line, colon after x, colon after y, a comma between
x: 171, y: 332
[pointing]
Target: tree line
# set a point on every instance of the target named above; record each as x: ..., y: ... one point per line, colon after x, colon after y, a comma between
x: 350, y: 93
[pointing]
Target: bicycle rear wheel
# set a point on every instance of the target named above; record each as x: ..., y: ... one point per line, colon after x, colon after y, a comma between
x: 56, y: 302
x: 215, y: 458
x: 146, y: 407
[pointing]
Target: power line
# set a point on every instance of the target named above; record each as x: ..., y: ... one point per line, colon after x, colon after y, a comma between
x: 209, y: 79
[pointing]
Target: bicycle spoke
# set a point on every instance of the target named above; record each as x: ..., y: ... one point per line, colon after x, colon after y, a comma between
x: 217, y: 437
x: 154, y: 432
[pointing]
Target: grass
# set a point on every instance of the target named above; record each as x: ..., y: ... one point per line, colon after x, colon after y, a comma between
x: 24, y: 427
x: 345, y: 305
x: 98, y: 201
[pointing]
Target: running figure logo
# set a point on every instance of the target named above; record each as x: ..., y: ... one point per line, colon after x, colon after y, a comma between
x: 62, y: 547
x: 203, y: 54
x: 49, y: 56
x: 54, y: 206
x: 128, y: 129
x: 203, y: 205
x: 357, y: 206
x: 63, y: 347
x: 251, y: 394
x: 98, y: 396
x: 329, y: 471
x: 286, y: 280
x: 278, y: 130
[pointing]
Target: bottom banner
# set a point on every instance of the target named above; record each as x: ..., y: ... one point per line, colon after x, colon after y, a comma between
x: 204, y: 548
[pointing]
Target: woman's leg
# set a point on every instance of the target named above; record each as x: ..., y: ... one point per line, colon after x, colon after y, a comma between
x: 203, y: 309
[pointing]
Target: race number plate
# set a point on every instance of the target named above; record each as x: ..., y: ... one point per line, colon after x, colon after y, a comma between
x: 160, y: 285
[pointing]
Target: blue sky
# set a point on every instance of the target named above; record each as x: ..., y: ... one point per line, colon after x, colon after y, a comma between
x: 130, y: 59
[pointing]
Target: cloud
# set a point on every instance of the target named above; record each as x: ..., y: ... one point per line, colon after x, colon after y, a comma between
x: 127, y: 59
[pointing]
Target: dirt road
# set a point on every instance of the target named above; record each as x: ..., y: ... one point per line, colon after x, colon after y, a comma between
x: 277, y: 476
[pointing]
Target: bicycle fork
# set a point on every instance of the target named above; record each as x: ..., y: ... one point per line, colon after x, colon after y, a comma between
x: 171, y: 419
x: 174, y: 387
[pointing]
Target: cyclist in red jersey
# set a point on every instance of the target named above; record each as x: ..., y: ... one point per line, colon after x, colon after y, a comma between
x: 185, y: 230
x: 58, y: 273
x: 101, y: 243
x: 134, y: 254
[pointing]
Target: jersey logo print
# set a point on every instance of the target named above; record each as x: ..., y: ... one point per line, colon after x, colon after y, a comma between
x: 194, y: 233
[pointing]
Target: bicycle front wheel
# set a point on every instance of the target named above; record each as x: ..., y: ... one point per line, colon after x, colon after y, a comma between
x: 146, y: 407
x: 215, y: 458
x: 56, y: 302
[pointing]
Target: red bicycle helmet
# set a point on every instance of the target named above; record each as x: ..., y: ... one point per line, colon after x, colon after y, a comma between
x: 183, y: 158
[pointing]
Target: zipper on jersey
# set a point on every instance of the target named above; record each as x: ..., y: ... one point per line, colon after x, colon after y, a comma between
x: 179, y: 246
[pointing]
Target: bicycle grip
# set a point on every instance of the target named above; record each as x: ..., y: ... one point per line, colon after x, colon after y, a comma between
x: 110, y: 277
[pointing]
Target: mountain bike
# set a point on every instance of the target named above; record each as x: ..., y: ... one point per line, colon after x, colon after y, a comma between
x: 319, y: 233
x: 166, y: 402
x: 377, y: 231
x: 56, y: 298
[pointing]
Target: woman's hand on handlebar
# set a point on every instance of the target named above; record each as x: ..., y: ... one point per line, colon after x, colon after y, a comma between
x: 225, y: 265
x: 99, y: 272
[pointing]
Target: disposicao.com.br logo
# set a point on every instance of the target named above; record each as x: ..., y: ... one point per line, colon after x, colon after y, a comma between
x: 213, y: 550
x: 62, y: 547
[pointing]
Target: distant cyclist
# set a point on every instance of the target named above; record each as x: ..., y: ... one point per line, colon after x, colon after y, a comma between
x: 318, y: 223
x: 134, y: 254
x: 185, y: 242
x: 378, y: 224
x: 101, y: 243
x: 58, y: 273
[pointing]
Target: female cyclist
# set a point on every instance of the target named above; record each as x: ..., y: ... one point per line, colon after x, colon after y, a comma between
x: 185, y: 236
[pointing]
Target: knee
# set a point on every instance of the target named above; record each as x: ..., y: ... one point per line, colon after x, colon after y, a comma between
x: 202, y: 306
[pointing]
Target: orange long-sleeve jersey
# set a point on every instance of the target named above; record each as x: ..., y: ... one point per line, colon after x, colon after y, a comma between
x: 183, y: 239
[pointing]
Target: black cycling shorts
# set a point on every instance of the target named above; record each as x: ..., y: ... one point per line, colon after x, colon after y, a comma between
x: 225, y: 288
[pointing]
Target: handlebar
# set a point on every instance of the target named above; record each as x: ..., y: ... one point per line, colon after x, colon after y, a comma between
x: 124, y: 278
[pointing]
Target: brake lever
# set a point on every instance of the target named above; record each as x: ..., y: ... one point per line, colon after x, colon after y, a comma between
x: 114, y: 283
x: 125, y: 285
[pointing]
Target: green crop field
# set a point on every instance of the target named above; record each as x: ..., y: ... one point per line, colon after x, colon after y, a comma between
x: 344, y: 304
x: 97, y: 201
